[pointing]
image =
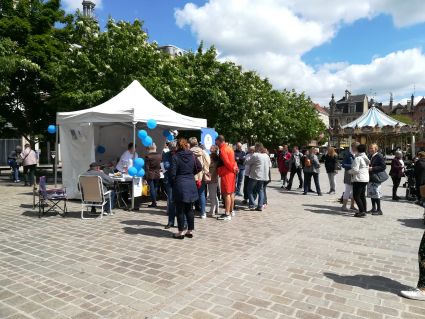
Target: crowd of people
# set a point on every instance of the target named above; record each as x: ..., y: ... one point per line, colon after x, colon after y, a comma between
x: 192, y: 176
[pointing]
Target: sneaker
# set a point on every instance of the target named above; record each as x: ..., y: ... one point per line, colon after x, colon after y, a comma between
x: 415, y: 294
x: 361, y: 215
x: 224, y: 217
x: 203, y: 216
x: 353, y: 208
x: 152, y: 206
x: 233, y: 214
x: 105, y: 213
x: 259, y: 209
x: 371, y: 211
x: 304, y: 193
x: 300, y: 187
x: 320, y: 194
x: 377, y: 213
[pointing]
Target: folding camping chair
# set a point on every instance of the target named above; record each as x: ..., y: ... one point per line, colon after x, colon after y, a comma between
x: 92, y: 195
x: 51, y: 198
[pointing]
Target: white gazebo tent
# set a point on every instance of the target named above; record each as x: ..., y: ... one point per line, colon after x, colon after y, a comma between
x: 113, y: 125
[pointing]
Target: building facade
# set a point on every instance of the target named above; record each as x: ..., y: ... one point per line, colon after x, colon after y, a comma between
x: 347, y: 109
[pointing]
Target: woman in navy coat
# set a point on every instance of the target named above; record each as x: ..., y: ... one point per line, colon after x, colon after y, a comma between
x: 185, y: 193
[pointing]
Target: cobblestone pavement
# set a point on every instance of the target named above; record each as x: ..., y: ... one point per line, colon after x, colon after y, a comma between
x: 300, y: 258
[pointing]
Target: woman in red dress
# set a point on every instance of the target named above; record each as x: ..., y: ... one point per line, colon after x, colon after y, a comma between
x: 227, y: 170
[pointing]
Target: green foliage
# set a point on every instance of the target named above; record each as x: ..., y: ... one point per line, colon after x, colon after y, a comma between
x: 29, y: 42
x: 403, y: 118
x: 78, y: 66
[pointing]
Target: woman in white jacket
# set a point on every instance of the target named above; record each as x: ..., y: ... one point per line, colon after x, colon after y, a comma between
x: 360, y: 178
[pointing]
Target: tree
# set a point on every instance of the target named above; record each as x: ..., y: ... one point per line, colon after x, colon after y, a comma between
x: 29, y: 42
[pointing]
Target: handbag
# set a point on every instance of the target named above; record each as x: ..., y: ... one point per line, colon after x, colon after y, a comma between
x: 379, y: 177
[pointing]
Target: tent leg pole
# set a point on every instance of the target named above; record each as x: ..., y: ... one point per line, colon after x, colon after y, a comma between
x: 134, y: 144
x: 56, y: 157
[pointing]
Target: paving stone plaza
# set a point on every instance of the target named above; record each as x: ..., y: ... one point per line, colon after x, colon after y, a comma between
x: 300, y: 258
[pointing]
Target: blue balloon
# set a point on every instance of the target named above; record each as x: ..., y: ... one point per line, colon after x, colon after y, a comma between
x: 139, y: 163
x: 141, y: 173
x: 215, y: 134
x: 51, y: 129
x: 170, y: 137
x: 151, y: 124
x: 165, y: 133
x: 142, y: 134
x: 101, y: 149
x: 147, y: 141
x: 132, y: 171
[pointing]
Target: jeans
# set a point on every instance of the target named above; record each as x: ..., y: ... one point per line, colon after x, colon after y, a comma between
x: 256, y: 187
x: 359, y: 194
x: 421, y: 255
x: 171, y: 207
x: 239, y: 179
x: 332, y: 181
x: 294, y: 171
x: 212, y: 191
x: 202, y: 198
x: 307, y: 182
x: 15, y: 170
x: 113, y: 196
x: 29, y: 172
x: 265, y: 191
x: 184, y: 212
x: 245, y: 187
x: 153, y: 186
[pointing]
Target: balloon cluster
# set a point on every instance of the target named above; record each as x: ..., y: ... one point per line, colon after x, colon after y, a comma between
x: 170, y: 135
x: 143, y: 135
x: 137, y: 168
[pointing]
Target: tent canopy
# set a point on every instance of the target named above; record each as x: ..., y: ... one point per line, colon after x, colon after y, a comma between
x: 374, y: 117
x: 112, y: 125
x: 133, y: 105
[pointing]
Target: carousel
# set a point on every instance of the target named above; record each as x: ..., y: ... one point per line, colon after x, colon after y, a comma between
x: 375, y: 126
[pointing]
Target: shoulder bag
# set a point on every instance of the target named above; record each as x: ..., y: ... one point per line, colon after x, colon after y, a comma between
x: 379, y: 177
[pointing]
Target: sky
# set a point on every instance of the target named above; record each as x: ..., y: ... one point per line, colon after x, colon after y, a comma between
x: 320, y: 47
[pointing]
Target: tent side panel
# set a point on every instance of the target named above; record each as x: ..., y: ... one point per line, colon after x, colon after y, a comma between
x: 77, y: 150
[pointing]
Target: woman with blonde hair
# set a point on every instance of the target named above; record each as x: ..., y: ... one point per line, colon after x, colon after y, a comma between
x: 331, y: 165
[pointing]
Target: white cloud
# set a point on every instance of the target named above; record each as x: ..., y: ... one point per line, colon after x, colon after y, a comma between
x: 72, y: 5
x: 270, y: 36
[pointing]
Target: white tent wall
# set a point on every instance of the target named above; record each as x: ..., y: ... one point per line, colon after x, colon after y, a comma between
x: 77, y: 150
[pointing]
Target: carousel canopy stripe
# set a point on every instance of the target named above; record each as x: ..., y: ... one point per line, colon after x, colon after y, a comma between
x: 374, y: 117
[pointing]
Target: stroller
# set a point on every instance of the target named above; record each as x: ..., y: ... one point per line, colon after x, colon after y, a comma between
x: 410, y: 184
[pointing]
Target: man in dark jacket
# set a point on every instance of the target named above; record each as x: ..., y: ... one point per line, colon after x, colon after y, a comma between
x: 167, y: 160
x: 420, y: 174
x: 240, y: 157
x: 295, y: 168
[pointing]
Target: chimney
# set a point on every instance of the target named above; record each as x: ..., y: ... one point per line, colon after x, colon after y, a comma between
x: 412, y: 99
x: 88, y: 8
x: 347, y: 94
x: 391, y: 100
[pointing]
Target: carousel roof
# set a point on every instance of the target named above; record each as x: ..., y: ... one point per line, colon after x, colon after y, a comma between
x: 374, y: 118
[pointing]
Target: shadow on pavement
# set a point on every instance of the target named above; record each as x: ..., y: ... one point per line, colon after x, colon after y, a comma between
x: 329, y: 210
x: 140, y: 223
x: 414, y: 223
x: 378, y: 283
x: 153, y: 232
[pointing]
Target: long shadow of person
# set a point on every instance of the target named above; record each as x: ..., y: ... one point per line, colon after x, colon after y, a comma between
x: 378, y: 283
x: 152, y: 232
x: 328, y: 210
x: 413, y: 222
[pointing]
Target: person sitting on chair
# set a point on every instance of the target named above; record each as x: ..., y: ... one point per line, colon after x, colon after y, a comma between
x: 107, y: 182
